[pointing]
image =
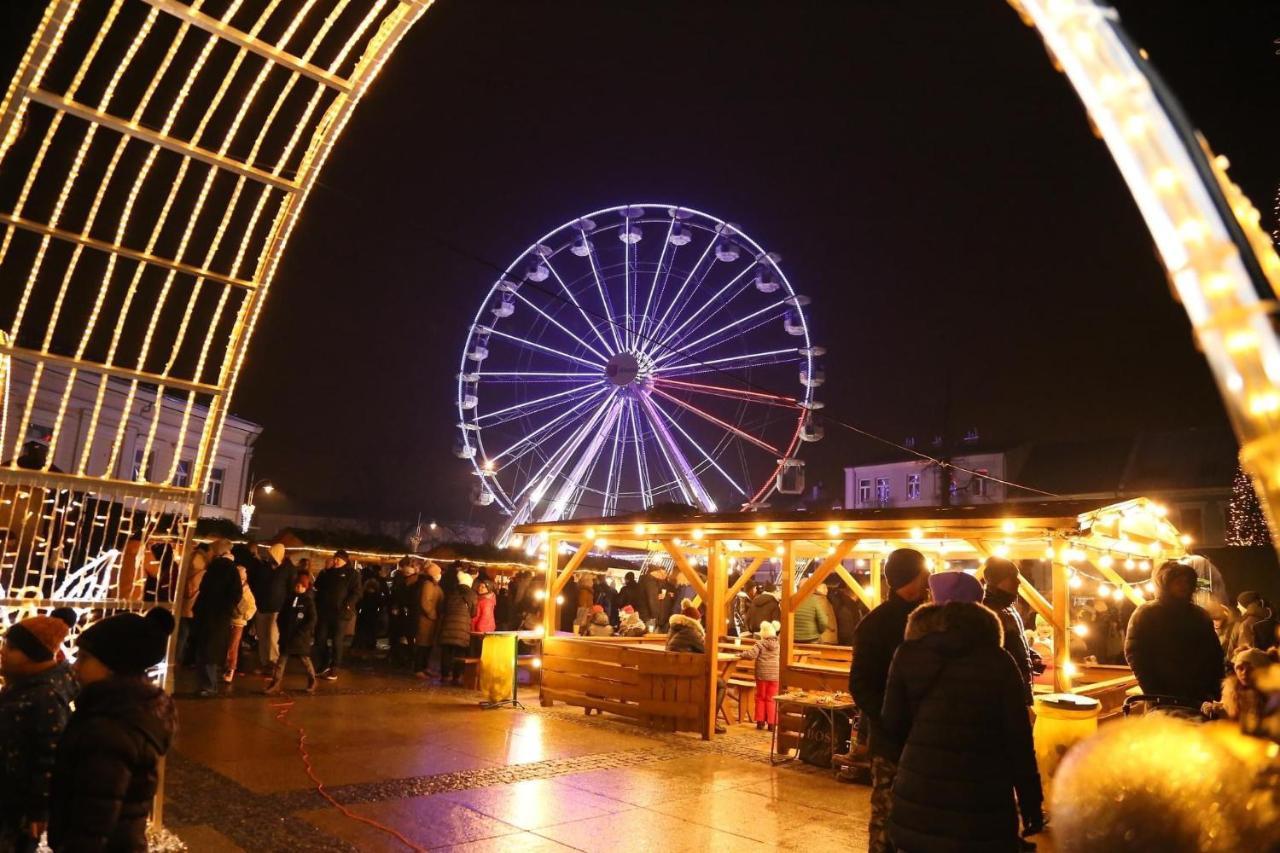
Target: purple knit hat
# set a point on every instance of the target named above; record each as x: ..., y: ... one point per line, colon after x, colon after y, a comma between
x: 955, y: 586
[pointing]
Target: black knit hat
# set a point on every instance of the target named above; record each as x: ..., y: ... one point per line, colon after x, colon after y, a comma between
x: 903, y: 566
x: 129, y: 644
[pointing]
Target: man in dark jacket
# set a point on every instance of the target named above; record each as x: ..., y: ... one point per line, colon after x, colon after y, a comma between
x: 34, y: 707
x: 877, y: 638
x: 629, y: 595
x: 1001, y: 579
x: 220, y: 592
x: 849, y: 611
x: 107, y: 768
x: 1171, y: 644
x: 954, y: 698
x: 337, y: 594
x: 270, y: 580
x: 653, y: 601
x: 766, y: 606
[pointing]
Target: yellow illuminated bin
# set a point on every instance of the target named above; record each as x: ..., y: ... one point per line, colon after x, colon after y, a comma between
x: 498, y: 669
x: 1062, y: 721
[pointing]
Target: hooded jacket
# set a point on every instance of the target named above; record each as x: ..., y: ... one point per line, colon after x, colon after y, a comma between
x: 598, y: 626
x: 106, y: 770
x: 765, y: 607
x: 459, y: 610
x: 1173, y: 649
x: 33, y: 713
x: 483, y: 621
x: 686, y: 635
x: 954, y: 699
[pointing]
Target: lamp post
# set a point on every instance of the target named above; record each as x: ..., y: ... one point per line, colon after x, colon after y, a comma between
x: 247, y: 508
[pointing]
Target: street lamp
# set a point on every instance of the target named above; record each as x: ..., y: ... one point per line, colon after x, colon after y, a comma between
x: 247, y: 508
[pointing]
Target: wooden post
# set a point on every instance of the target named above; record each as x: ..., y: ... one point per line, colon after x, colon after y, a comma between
x: 1061, y: 624
x: 549, y: 614
x: 716, y: 588
x: 787, y: 637
x: 877, y: 570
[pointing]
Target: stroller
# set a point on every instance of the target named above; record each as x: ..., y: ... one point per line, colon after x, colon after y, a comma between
x: 1154, y: 703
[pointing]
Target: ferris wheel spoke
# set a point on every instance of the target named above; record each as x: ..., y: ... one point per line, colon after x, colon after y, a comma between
x: 675, y: 300
x: 672, y: 340
x: 705, y: 455
x: 642, y: 463
x: 529, y: 404
x: 528, y: 441
x: 724, y: 425
x: 728, y: 327
x: 732, y: 393
x: 544, y: 348
x: 590, y: 323
x: 504, y: 376
x: 695, y: 493
x: 604, y: 296
x: 538, y: 484
x: 653, y: 285
x: 613, y: 481
x: 560, y: 326
x: 719, y: 365
x: 565, y: 497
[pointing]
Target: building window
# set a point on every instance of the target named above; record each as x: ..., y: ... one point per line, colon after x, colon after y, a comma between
x: 139, y: 475
x: 39, y: 432
x: 182, y: 478
x: 213, y: 492
x: 864, y: 492
x: 913, y: 487
x: 980, y: 483
x: 882, y: 490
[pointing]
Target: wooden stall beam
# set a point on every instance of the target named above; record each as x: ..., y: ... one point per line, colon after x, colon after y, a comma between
x: 572, y: 566
x: 864, y: 595
x: 1129, y: 592
x: 682, y: 566
x: 746, y: 576
x: 715, y: 630
x: 787, y: 638
x: 1061, y: 622
x: 826, y: 567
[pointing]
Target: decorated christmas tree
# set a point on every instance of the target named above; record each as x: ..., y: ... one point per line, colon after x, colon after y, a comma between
x: 1245, y: 523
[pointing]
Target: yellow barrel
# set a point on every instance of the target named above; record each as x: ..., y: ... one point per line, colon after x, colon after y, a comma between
x: 1062, y: 720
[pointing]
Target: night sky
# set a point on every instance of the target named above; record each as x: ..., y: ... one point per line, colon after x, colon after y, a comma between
x: 928, y: 178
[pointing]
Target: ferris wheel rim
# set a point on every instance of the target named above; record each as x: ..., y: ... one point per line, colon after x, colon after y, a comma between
x: 646, y: 212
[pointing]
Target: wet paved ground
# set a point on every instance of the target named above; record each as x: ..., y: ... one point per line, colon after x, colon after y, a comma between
x: 429, y: 763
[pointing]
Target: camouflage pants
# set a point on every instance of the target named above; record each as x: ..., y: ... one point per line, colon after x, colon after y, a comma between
x: 882, y: 772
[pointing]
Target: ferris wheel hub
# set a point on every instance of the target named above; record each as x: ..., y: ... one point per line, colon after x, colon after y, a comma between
x: 628, y: 368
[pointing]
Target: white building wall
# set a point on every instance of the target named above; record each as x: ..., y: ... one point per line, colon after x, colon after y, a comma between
x: 865, y: 486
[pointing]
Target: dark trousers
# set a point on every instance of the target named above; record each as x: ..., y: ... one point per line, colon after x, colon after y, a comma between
x: 283, y: 661
x: 208, y: 675
x: 421, y: 657
x: 329, y: 630
x: 451, y: 662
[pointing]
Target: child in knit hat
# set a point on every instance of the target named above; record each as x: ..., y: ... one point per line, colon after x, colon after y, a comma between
x: 34, y: 707
x: 765, y: 654
x: 106, y: 771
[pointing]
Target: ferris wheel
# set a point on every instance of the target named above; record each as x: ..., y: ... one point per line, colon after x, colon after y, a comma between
x: 638, y: 355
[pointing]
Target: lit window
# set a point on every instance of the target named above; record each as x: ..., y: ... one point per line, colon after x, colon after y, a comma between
x: 182, y: 478
x: 913, y: 487
x: 882, y: 490
x: 980, y: 482
x: 139, y: 475
x: 864, y: 492
x: 213, y: 492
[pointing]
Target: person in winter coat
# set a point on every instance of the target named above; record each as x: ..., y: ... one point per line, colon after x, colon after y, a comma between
x: 810, y: 620
x: 243, y: 613
x: 629, y: 594
x: 337, y: 594
x: 429, y: 610
x: 403, y: 620
x: 483, y: 622
x: 597, y: 623
x: 653, y: 594
x: 954, y: 698
x: 271, y: 583
x: 878, y: 637
x: 586, y: 596
x: 35, y: 705
x: 765, y: 653
x: 630, y: 624
x: 1257, y: 626
x: 686, y: 634
x: 830, y: 634
x: 1001, y: 579
x: 371, y: 613
x: 1241, y: 698
x: 849, y: 611
x: 107, y: 767
x: 568, y: 606
x: 455, y: 628
x: 1171, y: 645
x: 765, y: 607
x: 220, y: 592
x: 297, y: 627
x: 186, y: 625
x: 741, y: 609
x: 1224, y: 625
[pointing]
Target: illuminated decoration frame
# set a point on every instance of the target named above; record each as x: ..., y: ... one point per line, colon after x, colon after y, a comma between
x: 160, y: 153
x: 617, y: 362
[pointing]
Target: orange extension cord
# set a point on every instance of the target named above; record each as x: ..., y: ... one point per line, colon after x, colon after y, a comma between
x: 282, y: 714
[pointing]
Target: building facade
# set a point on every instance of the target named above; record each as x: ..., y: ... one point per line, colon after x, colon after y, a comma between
x: 172, y: 455
x: 919, y: 482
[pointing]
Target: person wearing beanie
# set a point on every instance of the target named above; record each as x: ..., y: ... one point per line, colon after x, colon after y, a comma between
x: 954, y: 585
x: 1171, y: 644
x: 766, y: 653
x: 967, y: 766
x: 297, y: 627
x: 271, y: 582
x: 460, y: 607
x: 1257, y: 626
x: 1241, y: 697
x: 107, y: 766
x: 1000, y: 577
x: 875, y: 642
x: 337, y: 591
x: 630, y: 624
x: 35, y: 705
x: 686, y: 634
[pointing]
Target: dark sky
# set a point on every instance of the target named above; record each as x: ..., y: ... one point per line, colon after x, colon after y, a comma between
x: 928, y: 178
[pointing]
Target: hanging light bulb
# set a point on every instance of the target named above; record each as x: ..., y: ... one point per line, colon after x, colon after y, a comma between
x: 1103, y: 590
x: 1129, y: 564
x: 1080, y: 629
x: 1075, y: 582
x: 917, y: 533
x: 833, y: 530
x: 761, y: 529
x: 1118, y: 595
x: 1106, y: 561
x: 1150, y: 588
x: 698, y: 534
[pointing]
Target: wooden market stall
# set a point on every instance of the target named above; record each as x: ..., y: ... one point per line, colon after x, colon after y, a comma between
x: 1081, y: 547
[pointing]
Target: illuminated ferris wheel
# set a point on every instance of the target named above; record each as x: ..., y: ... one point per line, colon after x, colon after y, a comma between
x: 637, y: 355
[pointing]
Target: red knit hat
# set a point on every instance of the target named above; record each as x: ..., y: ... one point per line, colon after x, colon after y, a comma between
x: 40, y: 637
x: 597, y: 608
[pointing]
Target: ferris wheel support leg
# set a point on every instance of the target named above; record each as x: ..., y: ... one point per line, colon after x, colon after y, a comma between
x: 689, y: 483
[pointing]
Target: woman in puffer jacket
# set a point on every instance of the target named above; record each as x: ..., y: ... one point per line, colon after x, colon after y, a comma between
x: 955, y: 699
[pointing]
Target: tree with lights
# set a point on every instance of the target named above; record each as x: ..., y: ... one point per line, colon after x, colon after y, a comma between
x: 1245, y: 522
